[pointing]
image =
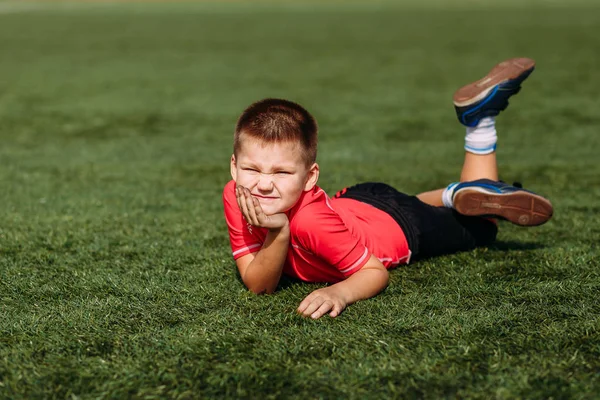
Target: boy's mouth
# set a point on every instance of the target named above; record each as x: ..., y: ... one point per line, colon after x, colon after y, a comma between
x: 265, y: 197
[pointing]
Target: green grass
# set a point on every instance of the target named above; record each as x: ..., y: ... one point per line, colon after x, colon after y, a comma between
x: 116, y: 277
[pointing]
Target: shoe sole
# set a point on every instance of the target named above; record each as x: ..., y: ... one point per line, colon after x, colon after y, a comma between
x: 521, y: 208
x: 505, y: 71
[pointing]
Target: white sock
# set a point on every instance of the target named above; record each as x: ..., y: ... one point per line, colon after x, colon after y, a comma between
x: 447, y: 195
x: 482, y: 138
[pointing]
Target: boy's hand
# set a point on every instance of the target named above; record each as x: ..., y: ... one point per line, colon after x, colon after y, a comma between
x: 253, y: 212
x: 371, y: 279
x: 323, y: 301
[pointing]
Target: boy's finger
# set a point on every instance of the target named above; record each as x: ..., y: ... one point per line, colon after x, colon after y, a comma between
x: 260, y: 214
x: 243, y: 206
x: 337, y: 310
x: 313, y: 306
x: 238, y: 197
x: 304, y: 303
x: 241, y: 202
x: 250, y: 208
x: 325, y: 307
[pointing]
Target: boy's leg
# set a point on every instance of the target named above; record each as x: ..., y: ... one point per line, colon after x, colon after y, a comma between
x: 472, y: 110
x: 475, y: 166
x: 479, y: 166
x: 476, y: 105
x: 430, y: 231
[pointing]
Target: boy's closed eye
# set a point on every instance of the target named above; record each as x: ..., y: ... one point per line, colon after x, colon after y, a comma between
x: 253, y: 170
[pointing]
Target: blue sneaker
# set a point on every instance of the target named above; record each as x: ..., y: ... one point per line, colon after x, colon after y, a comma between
x: 489, y: 95
x: 487, y: 198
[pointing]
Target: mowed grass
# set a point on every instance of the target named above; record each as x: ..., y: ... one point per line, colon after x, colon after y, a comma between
x: 116, y: 276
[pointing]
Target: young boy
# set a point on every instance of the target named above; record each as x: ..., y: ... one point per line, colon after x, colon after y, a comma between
x: 280, y: 221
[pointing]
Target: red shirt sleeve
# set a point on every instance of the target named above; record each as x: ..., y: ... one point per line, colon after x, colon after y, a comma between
x: 243, y: 237
x: 321, y: 231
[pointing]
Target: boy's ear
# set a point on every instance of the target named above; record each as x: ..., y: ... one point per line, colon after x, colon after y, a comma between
x: 312, y: 178
x: 232, y: 168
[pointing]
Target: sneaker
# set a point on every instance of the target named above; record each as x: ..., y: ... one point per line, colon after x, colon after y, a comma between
x: 487, y: 198
x: 489, y: 95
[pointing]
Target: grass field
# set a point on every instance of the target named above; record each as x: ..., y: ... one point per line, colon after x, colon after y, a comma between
x: 116, y: 276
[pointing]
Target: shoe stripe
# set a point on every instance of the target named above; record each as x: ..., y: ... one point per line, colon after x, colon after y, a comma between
x: 476, y: 185
x: 484, y: 102
x: 481, y: 187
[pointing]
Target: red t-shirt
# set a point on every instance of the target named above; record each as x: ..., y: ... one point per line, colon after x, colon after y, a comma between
x: 330, y: 239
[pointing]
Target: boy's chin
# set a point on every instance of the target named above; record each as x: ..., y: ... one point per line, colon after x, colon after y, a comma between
x: 270, y: 209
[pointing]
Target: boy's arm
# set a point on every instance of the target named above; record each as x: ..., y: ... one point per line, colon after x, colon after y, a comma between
x: 365, y: 283
x: 261, y: 271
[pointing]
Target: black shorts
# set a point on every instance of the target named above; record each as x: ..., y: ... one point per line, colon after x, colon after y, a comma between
x: 430, y: 231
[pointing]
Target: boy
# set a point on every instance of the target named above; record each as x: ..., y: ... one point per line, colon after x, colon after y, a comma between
x: 280, y: 221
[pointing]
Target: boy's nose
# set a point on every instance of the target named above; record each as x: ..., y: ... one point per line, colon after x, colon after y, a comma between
x: 265, y: 183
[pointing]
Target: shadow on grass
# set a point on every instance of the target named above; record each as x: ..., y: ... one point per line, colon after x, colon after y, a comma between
x: 285, y: 282
x: 513, y: 245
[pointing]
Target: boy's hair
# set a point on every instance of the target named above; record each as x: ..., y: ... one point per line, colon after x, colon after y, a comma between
x: 277, y: 121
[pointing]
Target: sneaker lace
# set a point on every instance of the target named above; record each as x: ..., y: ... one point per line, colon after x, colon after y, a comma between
x: 515, y: 184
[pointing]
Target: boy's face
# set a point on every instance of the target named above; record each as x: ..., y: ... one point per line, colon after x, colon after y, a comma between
x: 273, y: 172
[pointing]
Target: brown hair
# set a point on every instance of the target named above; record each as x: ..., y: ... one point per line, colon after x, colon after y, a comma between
x: 276, y: 121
